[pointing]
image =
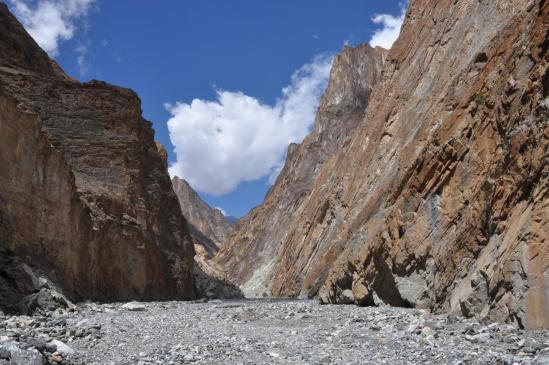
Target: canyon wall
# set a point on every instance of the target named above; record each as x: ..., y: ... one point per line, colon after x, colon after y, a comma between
x: 441, y: 198
x: 248, y: 254
x: 84, y: 194
x: 208, y: 225
x: 209, y: 228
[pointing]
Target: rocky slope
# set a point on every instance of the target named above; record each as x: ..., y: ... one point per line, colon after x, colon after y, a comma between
x: 257, y: 236
x: 208, y: 225
x: 84, y: 194
x: 441, y: 198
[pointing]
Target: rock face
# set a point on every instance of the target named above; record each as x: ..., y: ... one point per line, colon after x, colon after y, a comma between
x: 258, y: 236
x: 210, y: 279
x: 209, y: 229
x: 441, y: 198
x: 208, y: 225
x: 84, y: 194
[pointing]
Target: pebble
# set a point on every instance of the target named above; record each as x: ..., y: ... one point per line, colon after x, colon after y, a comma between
x: 262, y: 332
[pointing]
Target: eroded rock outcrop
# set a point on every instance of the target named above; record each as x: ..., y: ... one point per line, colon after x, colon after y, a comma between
x: 248, y: 255
x: 84, y: 194
x: 211, y: 280
x: 208, y: 225
x: 441, y: 199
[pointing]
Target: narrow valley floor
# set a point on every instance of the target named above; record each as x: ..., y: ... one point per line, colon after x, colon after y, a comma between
x: 266, y: 332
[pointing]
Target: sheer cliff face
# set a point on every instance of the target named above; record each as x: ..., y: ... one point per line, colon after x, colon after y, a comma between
x: 441, y: 199
x: 83, y: 191
x: 257, y: 236
x: 209, y: 226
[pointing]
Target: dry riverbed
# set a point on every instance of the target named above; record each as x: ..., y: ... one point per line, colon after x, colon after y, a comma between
x: 261, y: 332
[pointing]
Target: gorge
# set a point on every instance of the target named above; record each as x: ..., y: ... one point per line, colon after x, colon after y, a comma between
x: 412, y: 220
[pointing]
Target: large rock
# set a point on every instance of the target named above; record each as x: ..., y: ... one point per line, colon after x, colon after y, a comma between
x: 248, y: 254
x: 84, y: 194
x: 441, y: 198
x: 18, y: 356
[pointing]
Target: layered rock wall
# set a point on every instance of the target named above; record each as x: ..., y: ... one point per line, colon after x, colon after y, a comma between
x: 84, y: 194
x: 441, y: 199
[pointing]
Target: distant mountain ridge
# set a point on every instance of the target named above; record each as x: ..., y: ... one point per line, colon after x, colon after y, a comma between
x: 209, y: 225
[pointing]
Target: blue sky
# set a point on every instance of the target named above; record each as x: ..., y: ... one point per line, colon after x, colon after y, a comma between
x: 176, y: 51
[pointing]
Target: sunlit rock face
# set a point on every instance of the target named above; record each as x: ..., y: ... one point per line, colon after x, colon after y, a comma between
x: 249, y: 252
x: 440, y: 200
x: 84, y: 194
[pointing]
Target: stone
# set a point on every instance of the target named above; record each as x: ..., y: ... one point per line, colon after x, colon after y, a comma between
x: 346, y: 297
x: 26, y: 357
x: 62, y: 348
x: 56, y: 358
x: 541, y: 360
x: 135, y: 307
x: 51, y: 347
x: 361, y: 293
x: 18, y: 356
x: 44, y: 299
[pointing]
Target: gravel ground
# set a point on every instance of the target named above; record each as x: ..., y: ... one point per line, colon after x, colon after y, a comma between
x: 266, y: 332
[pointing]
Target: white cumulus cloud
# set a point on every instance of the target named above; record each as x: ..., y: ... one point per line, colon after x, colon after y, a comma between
x: 390, y: 30
x: 237, y: 138
x: 50, y: 21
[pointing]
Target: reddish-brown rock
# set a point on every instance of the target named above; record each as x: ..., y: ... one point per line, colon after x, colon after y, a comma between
x: 441, y: 199
x: 249, y: 253
x: 84, y: 193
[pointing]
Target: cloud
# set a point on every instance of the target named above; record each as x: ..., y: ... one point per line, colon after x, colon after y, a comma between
x: 50, y: 21
x: 236, y: 138
x: 388, y: 34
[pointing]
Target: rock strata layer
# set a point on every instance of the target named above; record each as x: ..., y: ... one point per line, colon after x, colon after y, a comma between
x: 441, y: 199
x: 84, y: 194
x: 249, y: 253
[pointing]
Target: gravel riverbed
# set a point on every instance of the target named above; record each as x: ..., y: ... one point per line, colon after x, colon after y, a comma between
x: 261, y: 332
